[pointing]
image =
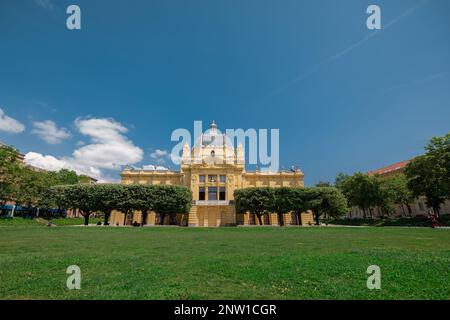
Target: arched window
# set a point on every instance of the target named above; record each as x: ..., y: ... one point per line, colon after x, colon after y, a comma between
x: 213, y: 153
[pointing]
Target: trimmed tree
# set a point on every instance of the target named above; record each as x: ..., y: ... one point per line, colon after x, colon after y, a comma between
x: 144, y: 199
x: 126, y: 202
x: 281, y: 202
x: 255, y: 200
x: 109, y: 196
x: 83, y: 197
x: 299, y: 202
x: 170, y: 200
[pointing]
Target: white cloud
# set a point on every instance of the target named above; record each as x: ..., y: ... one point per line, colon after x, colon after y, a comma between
x: 45, y: 162
x: 110, y: 148
x: 51, y: 163
x: 9, y: 124
x: 158, y: 153
x: 49, y: 132
x: 160, y: 156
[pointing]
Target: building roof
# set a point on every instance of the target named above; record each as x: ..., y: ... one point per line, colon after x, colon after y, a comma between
x: 391, y: 169
x: 213, y: 137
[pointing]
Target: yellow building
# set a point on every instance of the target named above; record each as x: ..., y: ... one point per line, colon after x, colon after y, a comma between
x: 212, y: 170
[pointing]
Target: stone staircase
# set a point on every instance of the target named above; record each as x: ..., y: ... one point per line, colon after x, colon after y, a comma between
x: 192, y: 217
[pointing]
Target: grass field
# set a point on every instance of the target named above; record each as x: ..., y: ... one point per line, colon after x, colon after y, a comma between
x: 4, y: 221
x: 73, y: 221
x: 444, y: 220
x: 19, y: 221
x: 223, y: 263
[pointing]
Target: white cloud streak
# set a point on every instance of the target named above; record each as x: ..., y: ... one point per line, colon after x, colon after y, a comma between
x: 49, y: 132
x: 9, y: 124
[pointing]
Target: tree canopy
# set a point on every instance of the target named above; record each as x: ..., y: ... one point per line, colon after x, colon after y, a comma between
x: 9, y: 173
x: 360, y: 189
x: 170, y: 200
x: 429, y: 174
x: 320, y: 200
x: 89, y: 198
x: 255, y: 200
x: 26, y: 185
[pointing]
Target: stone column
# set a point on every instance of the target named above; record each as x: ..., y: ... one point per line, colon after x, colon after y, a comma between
x: 246, y: 218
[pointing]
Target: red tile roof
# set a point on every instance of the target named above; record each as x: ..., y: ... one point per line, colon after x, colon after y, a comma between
x: 396, y: 167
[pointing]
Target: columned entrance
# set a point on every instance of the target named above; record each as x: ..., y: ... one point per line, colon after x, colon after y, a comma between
x: 214, y: 216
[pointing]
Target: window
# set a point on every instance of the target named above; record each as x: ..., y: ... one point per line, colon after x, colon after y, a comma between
x: 201, y: 193
x: 202, y: 178
x: 222, y: 193
x: 213, y: 153
x: 212, y: 178
x: 212, y: 193
x: 223, y: 178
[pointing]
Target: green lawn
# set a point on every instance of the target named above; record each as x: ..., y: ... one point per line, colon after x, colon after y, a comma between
x: 19, y: 221
x: 393, y: 222
x: 224, y: 263
x: 6, y: 221
x: 73, y: 221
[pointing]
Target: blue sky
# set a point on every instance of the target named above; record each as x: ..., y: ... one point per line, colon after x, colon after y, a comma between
x: 345, y: 98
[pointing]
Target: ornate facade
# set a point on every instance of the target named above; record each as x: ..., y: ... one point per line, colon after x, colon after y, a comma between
x: 212, y: 169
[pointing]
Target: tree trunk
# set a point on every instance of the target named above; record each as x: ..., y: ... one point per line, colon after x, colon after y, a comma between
x: 316, y: 217
x: 161, y: 218
x: 364, y: 213
x: 403, y: 209
x: 281, y: 219
x: 144, y: 217
x: 259, y: 218
x: 106, y: 218
x: 299, y: 219
x: 86, y: 218
x: 182, y: 220
x: 125, y: 218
